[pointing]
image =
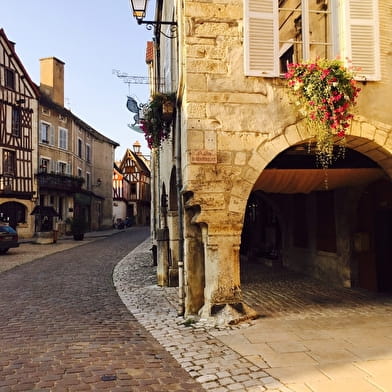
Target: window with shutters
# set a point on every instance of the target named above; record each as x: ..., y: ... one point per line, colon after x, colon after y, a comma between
x: 45, y: 132
x: 80, y: 148
x: 277, y: 32
x: 63, y: 138
x: 44, y: 165
x: 62, y: 167
x: 88, y: 153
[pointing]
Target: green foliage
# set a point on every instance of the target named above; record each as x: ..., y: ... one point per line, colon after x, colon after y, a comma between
x: 78, y: 225
x: 325, y: 92
x: 158, y: 116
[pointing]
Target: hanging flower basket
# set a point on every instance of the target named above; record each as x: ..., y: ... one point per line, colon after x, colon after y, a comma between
x: 325, y: 92
x: 158, y: 117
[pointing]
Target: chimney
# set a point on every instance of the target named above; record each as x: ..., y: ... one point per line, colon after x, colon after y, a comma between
x: 52, y: 79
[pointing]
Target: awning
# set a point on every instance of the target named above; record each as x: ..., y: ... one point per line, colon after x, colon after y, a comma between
x: 308, y: 180
x: 44, y: 211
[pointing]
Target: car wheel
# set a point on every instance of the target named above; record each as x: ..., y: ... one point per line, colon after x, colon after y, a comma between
x: 4, y: 250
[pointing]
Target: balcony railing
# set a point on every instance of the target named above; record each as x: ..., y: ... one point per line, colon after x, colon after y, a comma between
x: 58, y: 181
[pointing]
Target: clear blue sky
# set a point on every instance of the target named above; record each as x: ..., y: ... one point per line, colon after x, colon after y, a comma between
x: 92, y: 37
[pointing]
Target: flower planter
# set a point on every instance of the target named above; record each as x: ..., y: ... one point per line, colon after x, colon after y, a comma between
x: 325, y: 92
x: 158, y: 117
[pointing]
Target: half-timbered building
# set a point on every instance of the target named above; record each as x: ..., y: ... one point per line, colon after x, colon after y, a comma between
x: 121, y: 195
x: 134, y: 168
x: 18, y: 140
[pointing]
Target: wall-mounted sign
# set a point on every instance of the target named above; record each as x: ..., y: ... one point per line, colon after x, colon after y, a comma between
x: 204, y: 156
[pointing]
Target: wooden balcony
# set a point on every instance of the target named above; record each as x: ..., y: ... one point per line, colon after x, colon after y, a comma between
x: 60, y: 182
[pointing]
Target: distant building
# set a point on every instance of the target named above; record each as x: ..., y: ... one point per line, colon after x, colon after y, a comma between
x: 131, y: 187
x: 18, y: 140
x: 75, y: 161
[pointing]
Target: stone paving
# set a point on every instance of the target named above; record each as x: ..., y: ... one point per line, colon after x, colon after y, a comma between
x: 310, y: 338
x: 63, y: 327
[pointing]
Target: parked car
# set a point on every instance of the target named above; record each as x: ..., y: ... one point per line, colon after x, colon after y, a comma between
x: 8, y: 238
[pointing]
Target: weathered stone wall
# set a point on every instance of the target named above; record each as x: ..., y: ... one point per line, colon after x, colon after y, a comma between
x: 233, y: 126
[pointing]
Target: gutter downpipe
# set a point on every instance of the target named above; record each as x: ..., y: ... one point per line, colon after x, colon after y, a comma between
x: 178, y: 161
x: 181, y: 278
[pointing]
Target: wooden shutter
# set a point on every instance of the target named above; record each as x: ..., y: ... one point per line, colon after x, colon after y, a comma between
x: 363, y: 35
x: 261, y: 46
x: 51, y: 135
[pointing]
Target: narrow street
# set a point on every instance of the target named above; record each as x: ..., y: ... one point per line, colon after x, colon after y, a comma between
x: 64, y: 328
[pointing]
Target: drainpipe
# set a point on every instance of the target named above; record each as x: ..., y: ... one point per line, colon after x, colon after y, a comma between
x: 181, y: 280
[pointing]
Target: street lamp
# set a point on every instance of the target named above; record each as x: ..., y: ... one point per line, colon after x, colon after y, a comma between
x: 139, y: 12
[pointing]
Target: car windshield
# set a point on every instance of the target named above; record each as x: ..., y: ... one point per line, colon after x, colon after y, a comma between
x: 7, y: 229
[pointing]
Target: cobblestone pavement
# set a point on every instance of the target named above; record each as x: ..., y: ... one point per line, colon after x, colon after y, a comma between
x: 310, y: 338
x: 64, y: 328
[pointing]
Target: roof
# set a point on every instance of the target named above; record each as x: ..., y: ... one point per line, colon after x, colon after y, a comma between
x: 11, y: 47
x: 44, y: 211
x: 48, y: 102
x: 149, y: 52
x: 129, y: 154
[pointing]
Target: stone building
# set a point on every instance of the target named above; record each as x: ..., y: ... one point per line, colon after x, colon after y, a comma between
x: 75, y: 161
x: 237, y: 182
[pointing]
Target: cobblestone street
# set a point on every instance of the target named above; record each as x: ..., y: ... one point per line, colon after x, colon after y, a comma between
x: 311, y: 337
x: 67, y: 330
x: 64, y: 328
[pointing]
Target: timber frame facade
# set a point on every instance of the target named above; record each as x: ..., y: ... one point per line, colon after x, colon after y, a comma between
x: 131, y: 185
x: 18, y: 140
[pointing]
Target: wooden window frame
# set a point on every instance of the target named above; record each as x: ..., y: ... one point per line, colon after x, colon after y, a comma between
x: 9, y: 163
x: 9, y: 78
x: 354, y: 28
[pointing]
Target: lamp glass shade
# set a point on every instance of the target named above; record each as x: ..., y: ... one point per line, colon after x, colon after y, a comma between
x: 139, y: 8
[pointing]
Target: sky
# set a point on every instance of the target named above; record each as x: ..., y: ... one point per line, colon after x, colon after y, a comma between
x: 92, y: 38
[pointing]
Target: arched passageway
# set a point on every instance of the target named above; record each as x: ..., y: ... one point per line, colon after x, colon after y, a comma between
x: 331, y: 225
x: 13, y: 213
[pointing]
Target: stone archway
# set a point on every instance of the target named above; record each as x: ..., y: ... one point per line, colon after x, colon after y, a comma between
x: 328, y: 242
x: 14, y: 213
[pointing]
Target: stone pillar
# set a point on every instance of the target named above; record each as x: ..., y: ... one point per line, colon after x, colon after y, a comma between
x: 193, y: 266
x: 172, y: 222
x: 163, y: 256
x: 222, y: 294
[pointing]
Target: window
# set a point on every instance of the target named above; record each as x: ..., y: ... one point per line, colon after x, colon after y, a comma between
x: 88, y: 153
x: 63, y: 138
x: 133, y: 188
x: 44, y: 165
x: 9, y: 163
x: 9, y: 78
x: 62, y: 167
x: 16, y: 127
x: 277, y: 32
x: 46, y: 133
x: 79, y: 172
x: 88, y: 180
x: 80, y: 147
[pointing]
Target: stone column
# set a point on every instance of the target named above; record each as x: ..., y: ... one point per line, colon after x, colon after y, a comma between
x: 163, y: 256
x: 172, y: 222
